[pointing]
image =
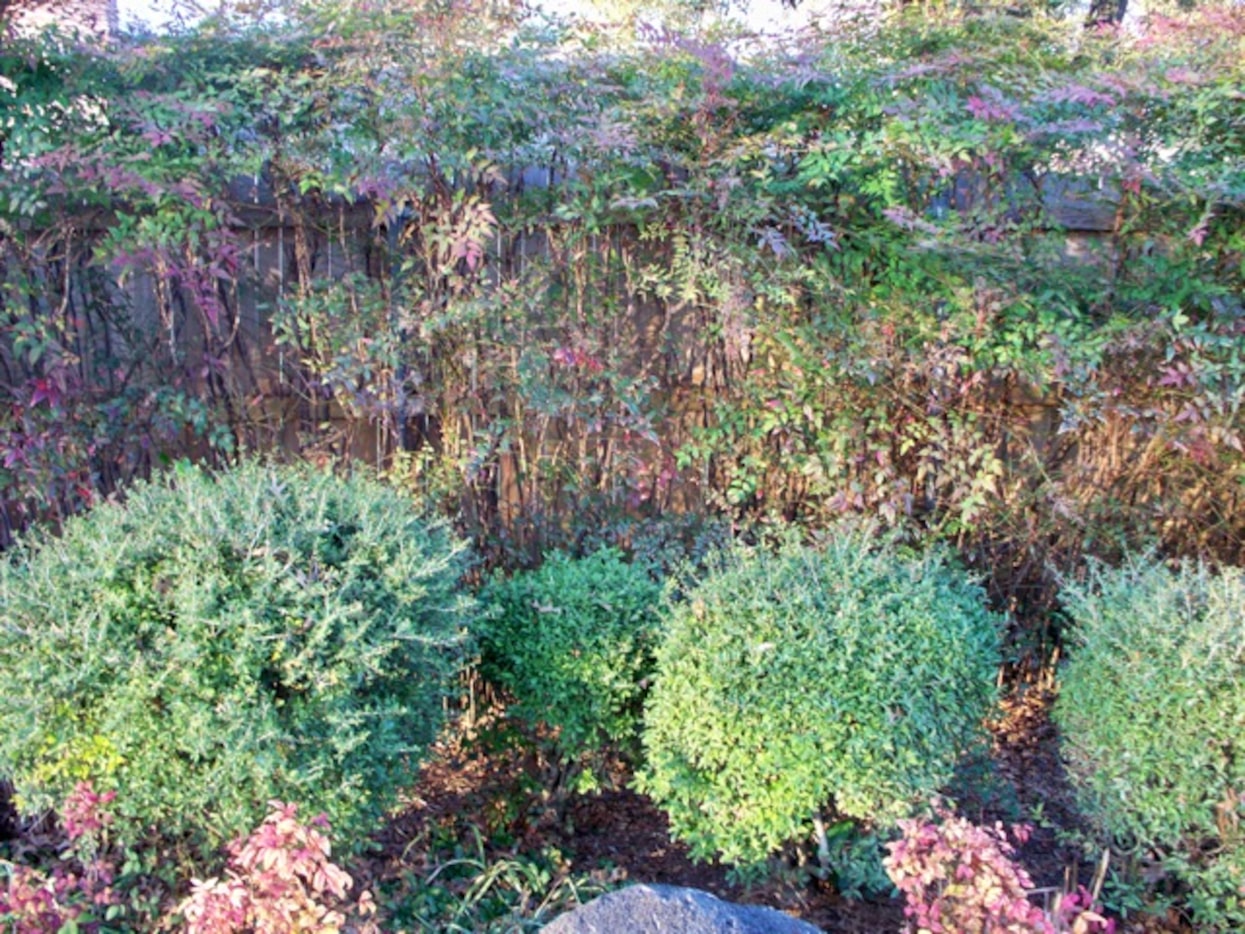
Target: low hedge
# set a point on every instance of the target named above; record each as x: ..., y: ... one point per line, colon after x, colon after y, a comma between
x: 843, y: 680
x: 1152, y: 714
x: 215, y: 642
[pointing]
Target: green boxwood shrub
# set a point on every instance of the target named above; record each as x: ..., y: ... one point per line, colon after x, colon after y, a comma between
x: 217, y: 642
x: 573, y: 642
x: 842, y: 681
x: 1152, y: 713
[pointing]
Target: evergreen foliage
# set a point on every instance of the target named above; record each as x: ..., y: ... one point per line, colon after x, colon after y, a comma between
x: 573, y: 641
x: 1152, y: 713
x: 215, y: 642
x: 844, y: 680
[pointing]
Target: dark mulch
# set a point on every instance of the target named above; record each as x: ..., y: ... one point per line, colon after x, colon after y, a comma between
x: 491, y: 784
x: 1026, y: 756
x: 624, y: 829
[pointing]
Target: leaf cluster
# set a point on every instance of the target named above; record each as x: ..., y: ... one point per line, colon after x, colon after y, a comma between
x: 281, y: 878
x: 959, y: 876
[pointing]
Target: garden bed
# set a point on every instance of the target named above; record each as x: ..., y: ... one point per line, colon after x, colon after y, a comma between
x: 488, y: 789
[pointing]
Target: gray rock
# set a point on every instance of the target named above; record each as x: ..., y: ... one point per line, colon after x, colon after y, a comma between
x: 667, y: 909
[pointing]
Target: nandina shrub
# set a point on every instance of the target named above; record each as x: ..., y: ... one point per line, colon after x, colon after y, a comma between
x: 958, y: 876
x: 573, y: 642
x: 76, y: 893
x: 216, y: 641
x: 663, y: 545
x: 280, y: 879
x: 840, y: 680
x: 1152, y: 711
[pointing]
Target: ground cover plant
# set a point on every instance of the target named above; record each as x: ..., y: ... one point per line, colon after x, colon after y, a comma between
x: 281, y: 878
x: 812, y: 686
x: 957, y: 876
x: 216, y: 641
x: 76, y: 893
x: 475, y: 889
x: 1151, y: 710
x: 278, y: 879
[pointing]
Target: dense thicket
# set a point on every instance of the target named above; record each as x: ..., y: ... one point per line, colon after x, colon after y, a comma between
x: 553, y: 283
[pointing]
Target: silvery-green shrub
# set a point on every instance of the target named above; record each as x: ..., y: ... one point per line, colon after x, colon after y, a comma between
x: 1152, y: 714
x: 216, y: 642
x: 843, y: 681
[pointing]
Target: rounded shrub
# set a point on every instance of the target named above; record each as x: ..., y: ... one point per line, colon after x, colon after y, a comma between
x: 573, y: 642
x: 840, y: 681
x: 1152, y: 713
x: 216, y: 642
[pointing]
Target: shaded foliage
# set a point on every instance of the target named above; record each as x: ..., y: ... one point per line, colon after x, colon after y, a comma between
x: 573, y: 641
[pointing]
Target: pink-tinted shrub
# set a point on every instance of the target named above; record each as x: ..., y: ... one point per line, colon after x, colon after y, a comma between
x: 1077, y: 913
x: 280, y: 880
x: 961, y: 878
x: 77, y: 892
x: 84, y: 815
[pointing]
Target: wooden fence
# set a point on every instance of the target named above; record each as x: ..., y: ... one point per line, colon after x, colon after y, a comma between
x: 150, y: 323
